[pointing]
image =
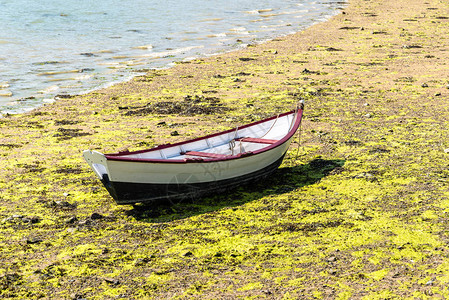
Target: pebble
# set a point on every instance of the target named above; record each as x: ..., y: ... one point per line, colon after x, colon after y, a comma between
x: 31, y: 220
x: 64, y: 205
x: 33, y: 240
x: 72, y: 220
x: 332, y: 259
x: 96, y: 216
x: 368, y: 115
x: 7, y: 219
x: 112, y: 281
x: 49, y: 100
x: 424, y: 85
x: 446, y: 150
x: 365, y: 175
x: 84, y: 222
x: 71, y: 230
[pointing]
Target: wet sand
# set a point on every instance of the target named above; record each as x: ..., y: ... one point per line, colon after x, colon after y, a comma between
x: 360, y: 210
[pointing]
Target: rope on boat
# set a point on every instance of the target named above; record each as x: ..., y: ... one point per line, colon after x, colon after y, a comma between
x: 299, y: 142
x: 231, y: 146
x: 299, y: 107
x: 272, y: 125
x: 232, y: 142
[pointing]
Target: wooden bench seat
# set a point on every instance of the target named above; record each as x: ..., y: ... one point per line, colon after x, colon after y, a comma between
x: 205, y: 154
x: 256, y: 140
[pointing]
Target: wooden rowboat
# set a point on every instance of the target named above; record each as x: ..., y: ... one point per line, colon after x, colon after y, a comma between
x: 198, y: 167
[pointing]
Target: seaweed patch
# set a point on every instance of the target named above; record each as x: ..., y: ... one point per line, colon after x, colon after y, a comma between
x: 68, y: 133
x: 191, y: 105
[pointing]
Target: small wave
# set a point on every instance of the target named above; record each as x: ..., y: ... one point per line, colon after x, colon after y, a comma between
x: 238, y: 29
x: 55, y: 80
x: 49, y: 89
x: 117, y: 66
x: 212, y: 20
x: 144, y: 47
x: 105, y: 51
x: 109, y: 63
x: 83, y: 77
x: 170, y: 52
x: 121, y: 57
x: 5, y: 93
x: 271, y: 15
x: 131, y: 63
x: 7, y: 42
x: 4, y: 85
x: 261, y: 11
x: 234, y: 34
x: 295, y: 12
x: 51, y: 73
x: 258, y: 11
x: 276, y: 25
x: 223, y: 34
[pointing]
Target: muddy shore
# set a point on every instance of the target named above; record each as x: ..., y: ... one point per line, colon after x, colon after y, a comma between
x: 359, y: 209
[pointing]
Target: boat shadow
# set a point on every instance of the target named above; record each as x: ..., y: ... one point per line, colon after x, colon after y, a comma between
x: 283, y: 180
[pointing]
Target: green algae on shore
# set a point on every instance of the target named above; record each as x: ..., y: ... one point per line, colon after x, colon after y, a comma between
x: 357, y: 211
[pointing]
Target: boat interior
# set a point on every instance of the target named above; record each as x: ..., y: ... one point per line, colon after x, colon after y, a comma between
x: 237, y: 141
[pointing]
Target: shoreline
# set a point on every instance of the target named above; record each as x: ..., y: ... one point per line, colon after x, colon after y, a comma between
x: 123, y: 70
x: 359, y: 211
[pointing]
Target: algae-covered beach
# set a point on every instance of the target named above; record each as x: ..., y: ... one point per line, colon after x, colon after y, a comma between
x: 358, y: 210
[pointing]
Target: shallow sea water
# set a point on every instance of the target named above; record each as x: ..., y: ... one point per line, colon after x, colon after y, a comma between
x: 61, y: 47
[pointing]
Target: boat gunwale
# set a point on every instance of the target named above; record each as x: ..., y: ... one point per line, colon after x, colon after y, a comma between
x: 120, y: 155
